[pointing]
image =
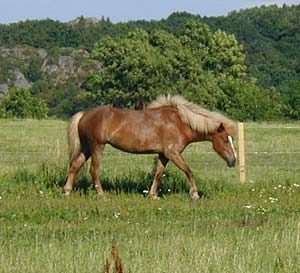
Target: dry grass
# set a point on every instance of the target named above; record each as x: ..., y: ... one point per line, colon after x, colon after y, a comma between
x: 118, y: 265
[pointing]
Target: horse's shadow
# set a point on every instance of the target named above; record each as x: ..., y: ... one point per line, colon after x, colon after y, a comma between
x: 139, y: 183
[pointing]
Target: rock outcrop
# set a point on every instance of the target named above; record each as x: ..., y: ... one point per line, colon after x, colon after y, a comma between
x: 56, y: 67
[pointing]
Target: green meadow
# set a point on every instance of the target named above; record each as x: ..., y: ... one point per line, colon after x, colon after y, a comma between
x: 251, y: 227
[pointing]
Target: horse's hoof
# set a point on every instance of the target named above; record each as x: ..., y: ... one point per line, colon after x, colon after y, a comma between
x: 154, y: 197
x: 194, y: 196
x: 66, y: 193
x: 103, y: 197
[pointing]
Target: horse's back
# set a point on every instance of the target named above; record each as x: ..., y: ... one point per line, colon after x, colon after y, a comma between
x: 112, y: 117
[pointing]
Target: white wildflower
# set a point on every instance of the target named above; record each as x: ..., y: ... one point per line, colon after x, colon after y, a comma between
x: 117, y: 214
x: 273, y: 200
x: 262, y: 210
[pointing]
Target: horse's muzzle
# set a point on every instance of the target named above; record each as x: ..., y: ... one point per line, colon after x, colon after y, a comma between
x: 231, y: 162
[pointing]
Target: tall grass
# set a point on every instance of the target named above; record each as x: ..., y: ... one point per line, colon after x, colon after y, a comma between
x: 234, y: 228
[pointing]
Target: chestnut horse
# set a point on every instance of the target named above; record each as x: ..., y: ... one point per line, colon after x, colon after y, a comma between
x: 165, y: 128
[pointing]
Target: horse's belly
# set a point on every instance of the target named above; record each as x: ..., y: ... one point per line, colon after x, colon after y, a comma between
x: 134, y: 144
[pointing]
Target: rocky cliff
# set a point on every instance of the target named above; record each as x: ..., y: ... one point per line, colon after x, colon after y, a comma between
x: 24, y: 66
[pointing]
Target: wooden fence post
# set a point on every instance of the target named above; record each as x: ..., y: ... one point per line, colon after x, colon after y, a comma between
x: 242, y: 152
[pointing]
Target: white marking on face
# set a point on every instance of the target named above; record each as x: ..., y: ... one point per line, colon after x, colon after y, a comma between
x: 231, y: 143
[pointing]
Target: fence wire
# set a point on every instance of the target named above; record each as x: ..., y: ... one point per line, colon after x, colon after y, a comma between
x: 28, y: 152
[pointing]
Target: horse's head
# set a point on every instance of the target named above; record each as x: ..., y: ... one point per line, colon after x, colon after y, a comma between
x: 223, y: 145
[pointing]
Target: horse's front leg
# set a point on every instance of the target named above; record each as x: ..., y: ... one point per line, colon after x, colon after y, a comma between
x: 161, y: 164
x: 177, y: 159
x: 95, y: 168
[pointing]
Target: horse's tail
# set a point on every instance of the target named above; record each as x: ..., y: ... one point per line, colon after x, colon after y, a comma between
x: 73, y: 137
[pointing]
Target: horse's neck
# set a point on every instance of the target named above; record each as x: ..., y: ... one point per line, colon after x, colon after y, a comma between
x: 194, y: 136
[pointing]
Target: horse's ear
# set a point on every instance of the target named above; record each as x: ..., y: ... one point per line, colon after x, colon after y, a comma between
x: 221, y: 128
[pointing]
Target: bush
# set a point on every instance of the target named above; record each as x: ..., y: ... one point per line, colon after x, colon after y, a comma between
x: 291, y: 100
x: 21, y: 104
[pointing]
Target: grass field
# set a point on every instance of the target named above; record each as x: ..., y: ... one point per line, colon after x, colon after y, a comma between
x: 253, y: 227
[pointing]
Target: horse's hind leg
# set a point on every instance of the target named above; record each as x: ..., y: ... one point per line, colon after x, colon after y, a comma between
x: 95, y: 166
x: 75, y: 166
x: 161, y: 164
x: 179, y: 162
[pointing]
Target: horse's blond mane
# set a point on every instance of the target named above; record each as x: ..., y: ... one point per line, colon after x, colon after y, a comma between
x: 198, y: 118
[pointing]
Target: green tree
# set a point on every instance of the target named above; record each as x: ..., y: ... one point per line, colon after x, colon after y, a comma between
x: 247, y: 101
x: 137, y: 66
x: 33, y: 72
x: 204, y: 66
x: 220, y: 52
x: 20, y: 103
x: 64, y: 100
x: 291, y: 100
x: 142, y: 65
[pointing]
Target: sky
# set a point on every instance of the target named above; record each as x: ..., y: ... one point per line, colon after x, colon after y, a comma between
x: 120, y: 11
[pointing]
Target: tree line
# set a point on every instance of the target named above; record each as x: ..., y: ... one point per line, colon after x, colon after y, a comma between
x: 246, y: 64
